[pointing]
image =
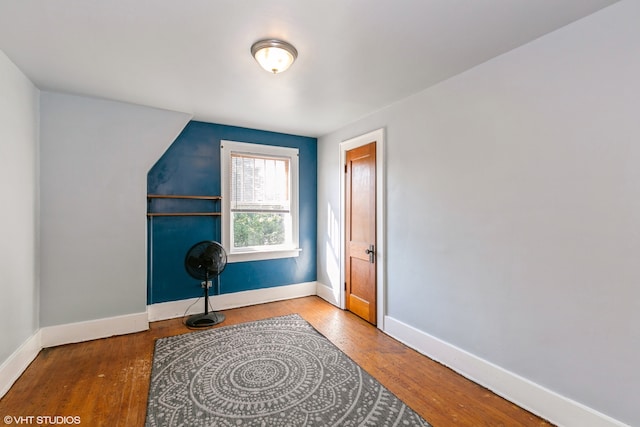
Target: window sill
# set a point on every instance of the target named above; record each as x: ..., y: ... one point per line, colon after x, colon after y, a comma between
x: 262, y: 255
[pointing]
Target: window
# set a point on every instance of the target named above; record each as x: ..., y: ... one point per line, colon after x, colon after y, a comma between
x: 259, y: 201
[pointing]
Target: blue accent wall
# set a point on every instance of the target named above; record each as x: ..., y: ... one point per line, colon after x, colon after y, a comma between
x: 191, y: 166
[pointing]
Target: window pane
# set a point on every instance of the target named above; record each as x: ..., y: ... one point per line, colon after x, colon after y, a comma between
x: 259, y: 183
x: 259, y: 229
x: 259, y: 201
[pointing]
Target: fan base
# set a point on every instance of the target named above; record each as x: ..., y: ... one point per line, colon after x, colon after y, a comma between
x: 205, y: 320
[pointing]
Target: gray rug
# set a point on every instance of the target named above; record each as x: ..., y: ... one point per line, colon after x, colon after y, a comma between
x: 273, y: 372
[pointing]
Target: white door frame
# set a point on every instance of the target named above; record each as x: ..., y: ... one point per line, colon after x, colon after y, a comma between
x: 349, y: 144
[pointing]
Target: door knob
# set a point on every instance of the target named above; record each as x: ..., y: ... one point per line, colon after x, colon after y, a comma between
x: 372, y: 253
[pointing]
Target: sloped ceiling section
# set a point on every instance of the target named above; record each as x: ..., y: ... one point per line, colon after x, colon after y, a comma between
x: 355, y: 57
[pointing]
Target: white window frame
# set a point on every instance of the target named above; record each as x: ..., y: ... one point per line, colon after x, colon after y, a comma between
x: 252, y: 254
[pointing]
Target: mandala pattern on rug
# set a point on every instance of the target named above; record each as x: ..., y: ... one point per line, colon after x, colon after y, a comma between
x: 273, y: 372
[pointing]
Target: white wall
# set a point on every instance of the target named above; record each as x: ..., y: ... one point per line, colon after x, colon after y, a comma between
x: 513, y: 210
x: 18, y: 216
x: 95, y: 155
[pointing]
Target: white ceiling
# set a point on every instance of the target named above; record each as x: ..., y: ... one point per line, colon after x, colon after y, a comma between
x: 355, y: 56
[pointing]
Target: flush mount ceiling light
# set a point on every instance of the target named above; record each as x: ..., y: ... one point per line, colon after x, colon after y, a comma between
x: 273, y: 55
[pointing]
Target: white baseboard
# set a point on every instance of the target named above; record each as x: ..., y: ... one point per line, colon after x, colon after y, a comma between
x: 521, y: 391
x: 93, y: 329
x: 327, y: 293
x: 15, y: 365
x: 173, y: 309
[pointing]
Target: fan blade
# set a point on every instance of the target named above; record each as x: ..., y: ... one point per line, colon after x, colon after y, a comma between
x: 194, y: 262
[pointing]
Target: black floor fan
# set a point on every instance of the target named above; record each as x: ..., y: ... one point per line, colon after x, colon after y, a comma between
x: 205, y: 261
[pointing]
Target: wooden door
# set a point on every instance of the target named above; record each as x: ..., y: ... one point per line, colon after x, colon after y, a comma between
x: 360, y: 231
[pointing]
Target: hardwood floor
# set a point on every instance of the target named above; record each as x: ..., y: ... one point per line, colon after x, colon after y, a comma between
x: 105, y: 382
